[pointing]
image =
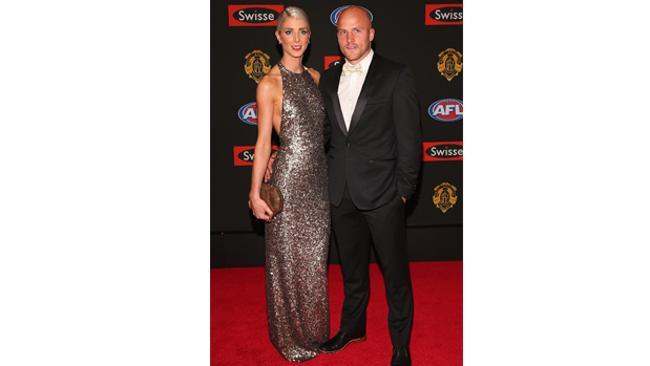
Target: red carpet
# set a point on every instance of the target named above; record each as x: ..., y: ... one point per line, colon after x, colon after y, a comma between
x: 239, y: 330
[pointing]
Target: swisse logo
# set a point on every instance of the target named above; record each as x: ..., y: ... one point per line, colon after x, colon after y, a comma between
x: 446, y: 110
x: 244, y: 155
x: 254, y: 15
x: 442, y: 151
x: 331, y: 61
x: 443, y: 14
x: 248, y: 113
x: 334, y: 16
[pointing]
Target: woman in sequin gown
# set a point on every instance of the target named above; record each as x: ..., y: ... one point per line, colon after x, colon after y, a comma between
x: 297, y: 239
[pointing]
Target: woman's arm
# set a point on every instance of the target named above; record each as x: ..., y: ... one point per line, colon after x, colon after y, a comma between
x: 266, y: 93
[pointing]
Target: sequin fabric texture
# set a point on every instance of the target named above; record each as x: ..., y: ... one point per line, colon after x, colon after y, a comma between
x: 297, y: 239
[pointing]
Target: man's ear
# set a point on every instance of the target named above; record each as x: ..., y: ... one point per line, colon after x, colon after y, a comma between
x: 372, y: 34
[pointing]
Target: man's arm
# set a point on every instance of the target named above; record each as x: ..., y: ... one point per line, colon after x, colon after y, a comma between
x: 406, y: 115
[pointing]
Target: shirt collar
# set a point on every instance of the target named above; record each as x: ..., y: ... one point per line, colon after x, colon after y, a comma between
x: 365, y: 62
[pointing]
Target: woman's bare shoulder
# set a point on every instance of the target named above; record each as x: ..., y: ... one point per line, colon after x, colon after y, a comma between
x: 314, y: 74
x: 272, y: 81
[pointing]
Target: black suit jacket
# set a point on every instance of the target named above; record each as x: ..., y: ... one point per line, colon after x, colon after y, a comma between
x: 379, y: 157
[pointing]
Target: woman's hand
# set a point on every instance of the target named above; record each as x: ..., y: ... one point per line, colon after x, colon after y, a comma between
x: 260, y: 209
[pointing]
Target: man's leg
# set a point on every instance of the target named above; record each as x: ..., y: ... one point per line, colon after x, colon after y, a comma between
x: 387, y: 227
x: 353, y: 244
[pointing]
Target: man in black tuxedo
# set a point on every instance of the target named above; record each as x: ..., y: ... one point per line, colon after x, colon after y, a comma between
x: 374, y: 151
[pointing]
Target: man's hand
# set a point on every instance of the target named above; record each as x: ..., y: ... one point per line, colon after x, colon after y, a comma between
x: 269, y: 167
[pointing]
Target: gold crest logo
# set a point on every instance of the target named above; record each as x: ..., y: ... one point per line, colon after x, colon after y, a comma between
x: 445, y: 196
x: 450, y: 63
x: 257, y: 65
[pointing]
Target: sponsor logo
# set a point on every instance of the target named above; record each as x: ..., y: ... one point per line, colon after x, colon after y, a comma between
x: 443, y: 14
x: 446, y: 110
x: 450, y: 63
x: 442, y: 151
x: 331, y: 61
x: 334, y: 16
x: 257, y: 65
x: 248, y: 113
x: 254, y: 15
x: 244, y: 155
x: 444, y: 196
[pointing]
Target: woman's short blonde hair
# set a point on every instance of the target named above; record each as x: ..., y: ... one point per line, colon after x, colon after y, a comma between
x: 293, y: 12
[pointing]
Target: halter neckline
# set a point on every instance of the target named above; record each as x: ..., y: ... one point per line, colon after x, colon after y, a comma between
x: 289, y: 71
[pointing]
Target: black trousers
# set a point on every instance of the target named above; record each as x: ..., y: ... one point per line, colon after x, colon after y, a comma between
x: 385, y: 227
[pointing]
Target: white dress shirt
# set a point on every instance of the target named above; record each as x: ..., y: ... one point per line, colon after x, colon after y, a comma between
x: 350, y: 85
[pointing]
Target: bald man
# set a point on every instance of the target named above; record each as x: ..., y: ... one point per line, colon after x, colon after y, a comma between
x: 374, y: 148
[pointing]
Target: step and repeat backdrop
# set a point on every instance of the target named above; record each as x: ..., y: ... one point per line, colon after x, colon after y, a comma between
x: 425, y: 35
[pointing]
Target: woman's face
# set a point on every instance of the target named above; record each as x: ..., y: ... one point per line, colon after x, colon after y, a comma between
x: 294, y: 36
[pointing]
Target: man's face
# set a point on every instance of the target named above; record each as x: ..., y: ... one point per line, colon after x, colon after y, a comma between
x: 355, y: 34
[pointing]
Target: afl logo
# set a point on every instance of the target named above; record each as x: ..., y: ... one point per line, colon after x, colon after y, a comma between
x: 254, y: 15
x: 248, y: 114
x: 446, y: 110
x: 334, y: 16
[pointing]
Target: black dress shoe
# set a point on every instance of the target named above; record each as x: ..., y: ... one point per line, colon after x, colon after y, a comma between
x: 401, y: 357
x: 340, y: 341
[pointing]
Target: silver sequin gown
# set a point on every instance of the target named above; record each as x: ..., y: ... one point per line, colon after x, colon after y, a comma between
x: 297, y: 239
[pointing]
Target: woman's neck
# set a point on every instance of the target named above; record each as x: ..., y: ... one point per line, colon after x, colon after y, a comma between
x: 292, y: 63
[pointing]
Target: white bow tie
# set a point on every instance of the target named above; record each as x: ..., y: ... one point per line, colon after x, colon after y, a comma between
x: 349, y: 69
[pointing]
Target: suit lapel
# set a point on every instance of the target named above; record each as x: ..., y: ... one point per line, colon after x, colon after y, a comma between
x: 365, y: 89
x: 335, y: 99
